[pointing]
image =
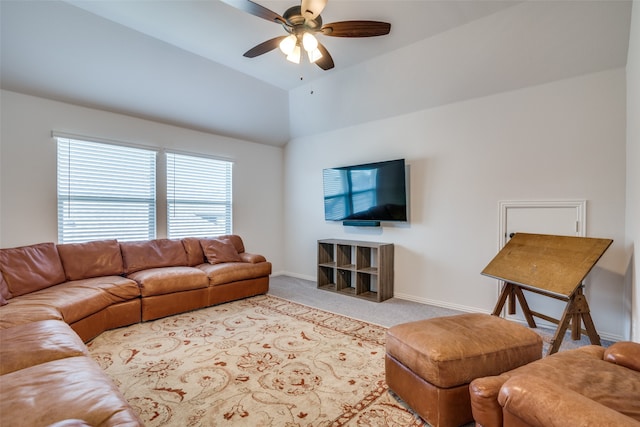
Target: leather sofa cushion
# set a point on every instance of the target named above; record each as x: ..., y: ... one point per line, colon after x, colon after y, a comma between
x: 236, y: 240
x: 4, y: 291
x: 218, y: 251
x: 31, y: 268
x: 233, y: 238
x: 453, y: 350
x: 80, y: 298
x: 532, y: 401
x: 582, y: 370
x: 152, y: 254
x: 192, y: 247
x: 195, y: 254
x: 70, y: 388
x: 91, y: 259
x: 117, y: 288
x: 220, y: 274
x: 19, y: 312
x: 166, y: 280
x: 38, y: 342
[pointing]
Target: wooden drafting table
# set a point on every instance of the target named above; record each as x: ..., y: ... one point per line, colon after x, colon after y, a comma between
x: 554, y: 266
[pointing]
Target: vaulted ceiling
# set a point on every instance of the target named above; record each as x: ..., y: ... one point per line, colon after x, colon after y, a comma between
x: 180, y: 61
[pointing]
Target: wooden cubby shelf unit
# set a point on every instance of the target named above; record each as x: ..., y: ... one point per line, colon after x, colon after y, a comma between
x: 360, y: 269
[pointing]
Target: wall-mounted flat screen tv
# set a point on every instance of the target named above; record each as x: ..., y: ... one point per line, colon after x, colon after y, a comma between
x: 367, y: 192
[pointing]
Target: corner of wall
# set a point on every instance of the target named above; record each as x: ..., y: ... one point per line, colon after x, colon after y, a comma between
x: 633, y: 160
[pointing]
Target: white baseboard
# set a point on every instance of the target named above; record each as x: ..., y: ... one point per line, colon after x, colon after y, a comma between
x: 441, y: 304
x: 295, y: 275
x: 603, y: 335
x: 436, y: 303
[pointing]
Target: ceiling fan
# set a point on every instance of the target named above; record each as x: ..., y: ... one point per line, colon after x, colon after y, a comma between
x: 302, y: 23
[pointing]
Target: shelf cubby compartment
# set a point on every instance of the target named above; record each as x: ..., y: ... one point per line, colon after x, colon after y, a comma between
x: 344, y: 257
x: 326, y: 255
x: 345, y: 282
x: 363, y: 257
x: 361, y: 269
x: 326, y: 278
x: 367, y: 286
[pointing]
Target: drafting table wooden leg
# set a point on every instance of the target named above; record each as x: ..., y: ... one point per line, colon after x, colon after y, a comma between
x: 510, y: 293
x: 502, y: 299
x: 576, y: 312
x: 562, y: 329
x: 582, y: 307
x: 576, y: 325
x: 525, y: 307
x: 512, y: 299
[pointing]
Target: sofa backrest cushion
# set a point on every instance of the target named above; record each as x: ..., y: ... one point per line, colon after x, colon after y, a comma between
x: 218, y: 251
x: 91, y: 259
x: 195, y: 256
x: 194, y: 245
x: 152, y: 254
x: 235, y: 239
x: 30, y: 268
x: 4, y: 291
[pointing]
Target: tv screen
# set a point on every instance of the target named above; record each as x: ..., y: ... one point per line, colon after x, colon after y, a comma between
x: 368, y: 192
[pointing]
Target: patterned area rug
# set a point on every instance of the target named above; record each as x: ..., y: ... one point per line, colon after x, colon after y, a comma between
x: 262, y: 361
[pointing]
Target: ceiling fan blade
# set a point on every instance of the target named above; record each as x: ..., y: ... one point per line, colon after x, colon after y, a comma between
x: 326, y: 62
x: 356, y: 29
x: 256, y: 10
x: 264, y: 47
x: 311, y: 9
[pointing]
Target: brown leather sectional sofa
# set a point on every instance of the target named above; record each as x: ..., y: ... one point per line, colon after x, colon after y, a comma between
x: 53, y: 298
x: 587, y: 386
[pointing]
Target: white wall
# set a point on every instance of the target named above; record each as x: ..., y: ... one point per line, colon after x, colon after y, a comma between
x: 28, y: 169
x: 56, y: 50
x: 527, y: 44
x: 633, y: 163
x: 562, y: 140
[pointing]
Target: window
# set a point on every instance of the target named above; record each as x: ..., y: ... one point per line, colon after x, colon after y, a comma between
x: 105, y: 191
x: 198, y: 196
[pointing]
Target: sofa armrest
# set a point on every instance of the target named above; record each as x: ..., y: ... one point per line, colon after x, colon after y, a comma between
x: 624, y: 353
x: 483, y: 393
x: 529, y: 400
x: 252, y: 258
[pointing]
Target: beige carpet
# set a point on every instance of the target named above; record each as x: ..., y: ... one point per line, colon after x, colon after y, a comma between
x: 263, y: 361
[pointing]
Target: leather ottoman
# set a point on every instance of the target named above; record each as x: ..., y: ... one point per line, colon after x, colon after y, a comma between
x: 430, y: 363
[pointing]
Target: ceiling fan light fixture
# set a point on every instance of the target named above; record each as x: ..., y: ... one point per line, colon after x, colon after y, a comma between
x: 314, y: 55
x: 309, y: 42
x: 294, y: 56
x: 288, y: 44
x: 303, y: 21
x: 311, y: 9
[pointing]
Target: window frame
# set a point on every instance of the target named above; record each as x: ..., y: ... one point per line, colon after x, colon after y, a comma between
x: 198, y: 199
x: 160, y: 221
x: 89, y: 175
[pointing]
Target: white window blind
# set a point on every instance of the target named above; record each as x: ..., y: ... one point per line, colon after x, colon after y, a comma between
x: 199, y: 201
x: 105, y: 191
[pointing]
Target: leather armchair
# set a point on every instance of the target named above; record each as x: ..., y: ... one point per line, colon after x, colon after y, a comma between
x: 527, y: 400
x: 587, y: 386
